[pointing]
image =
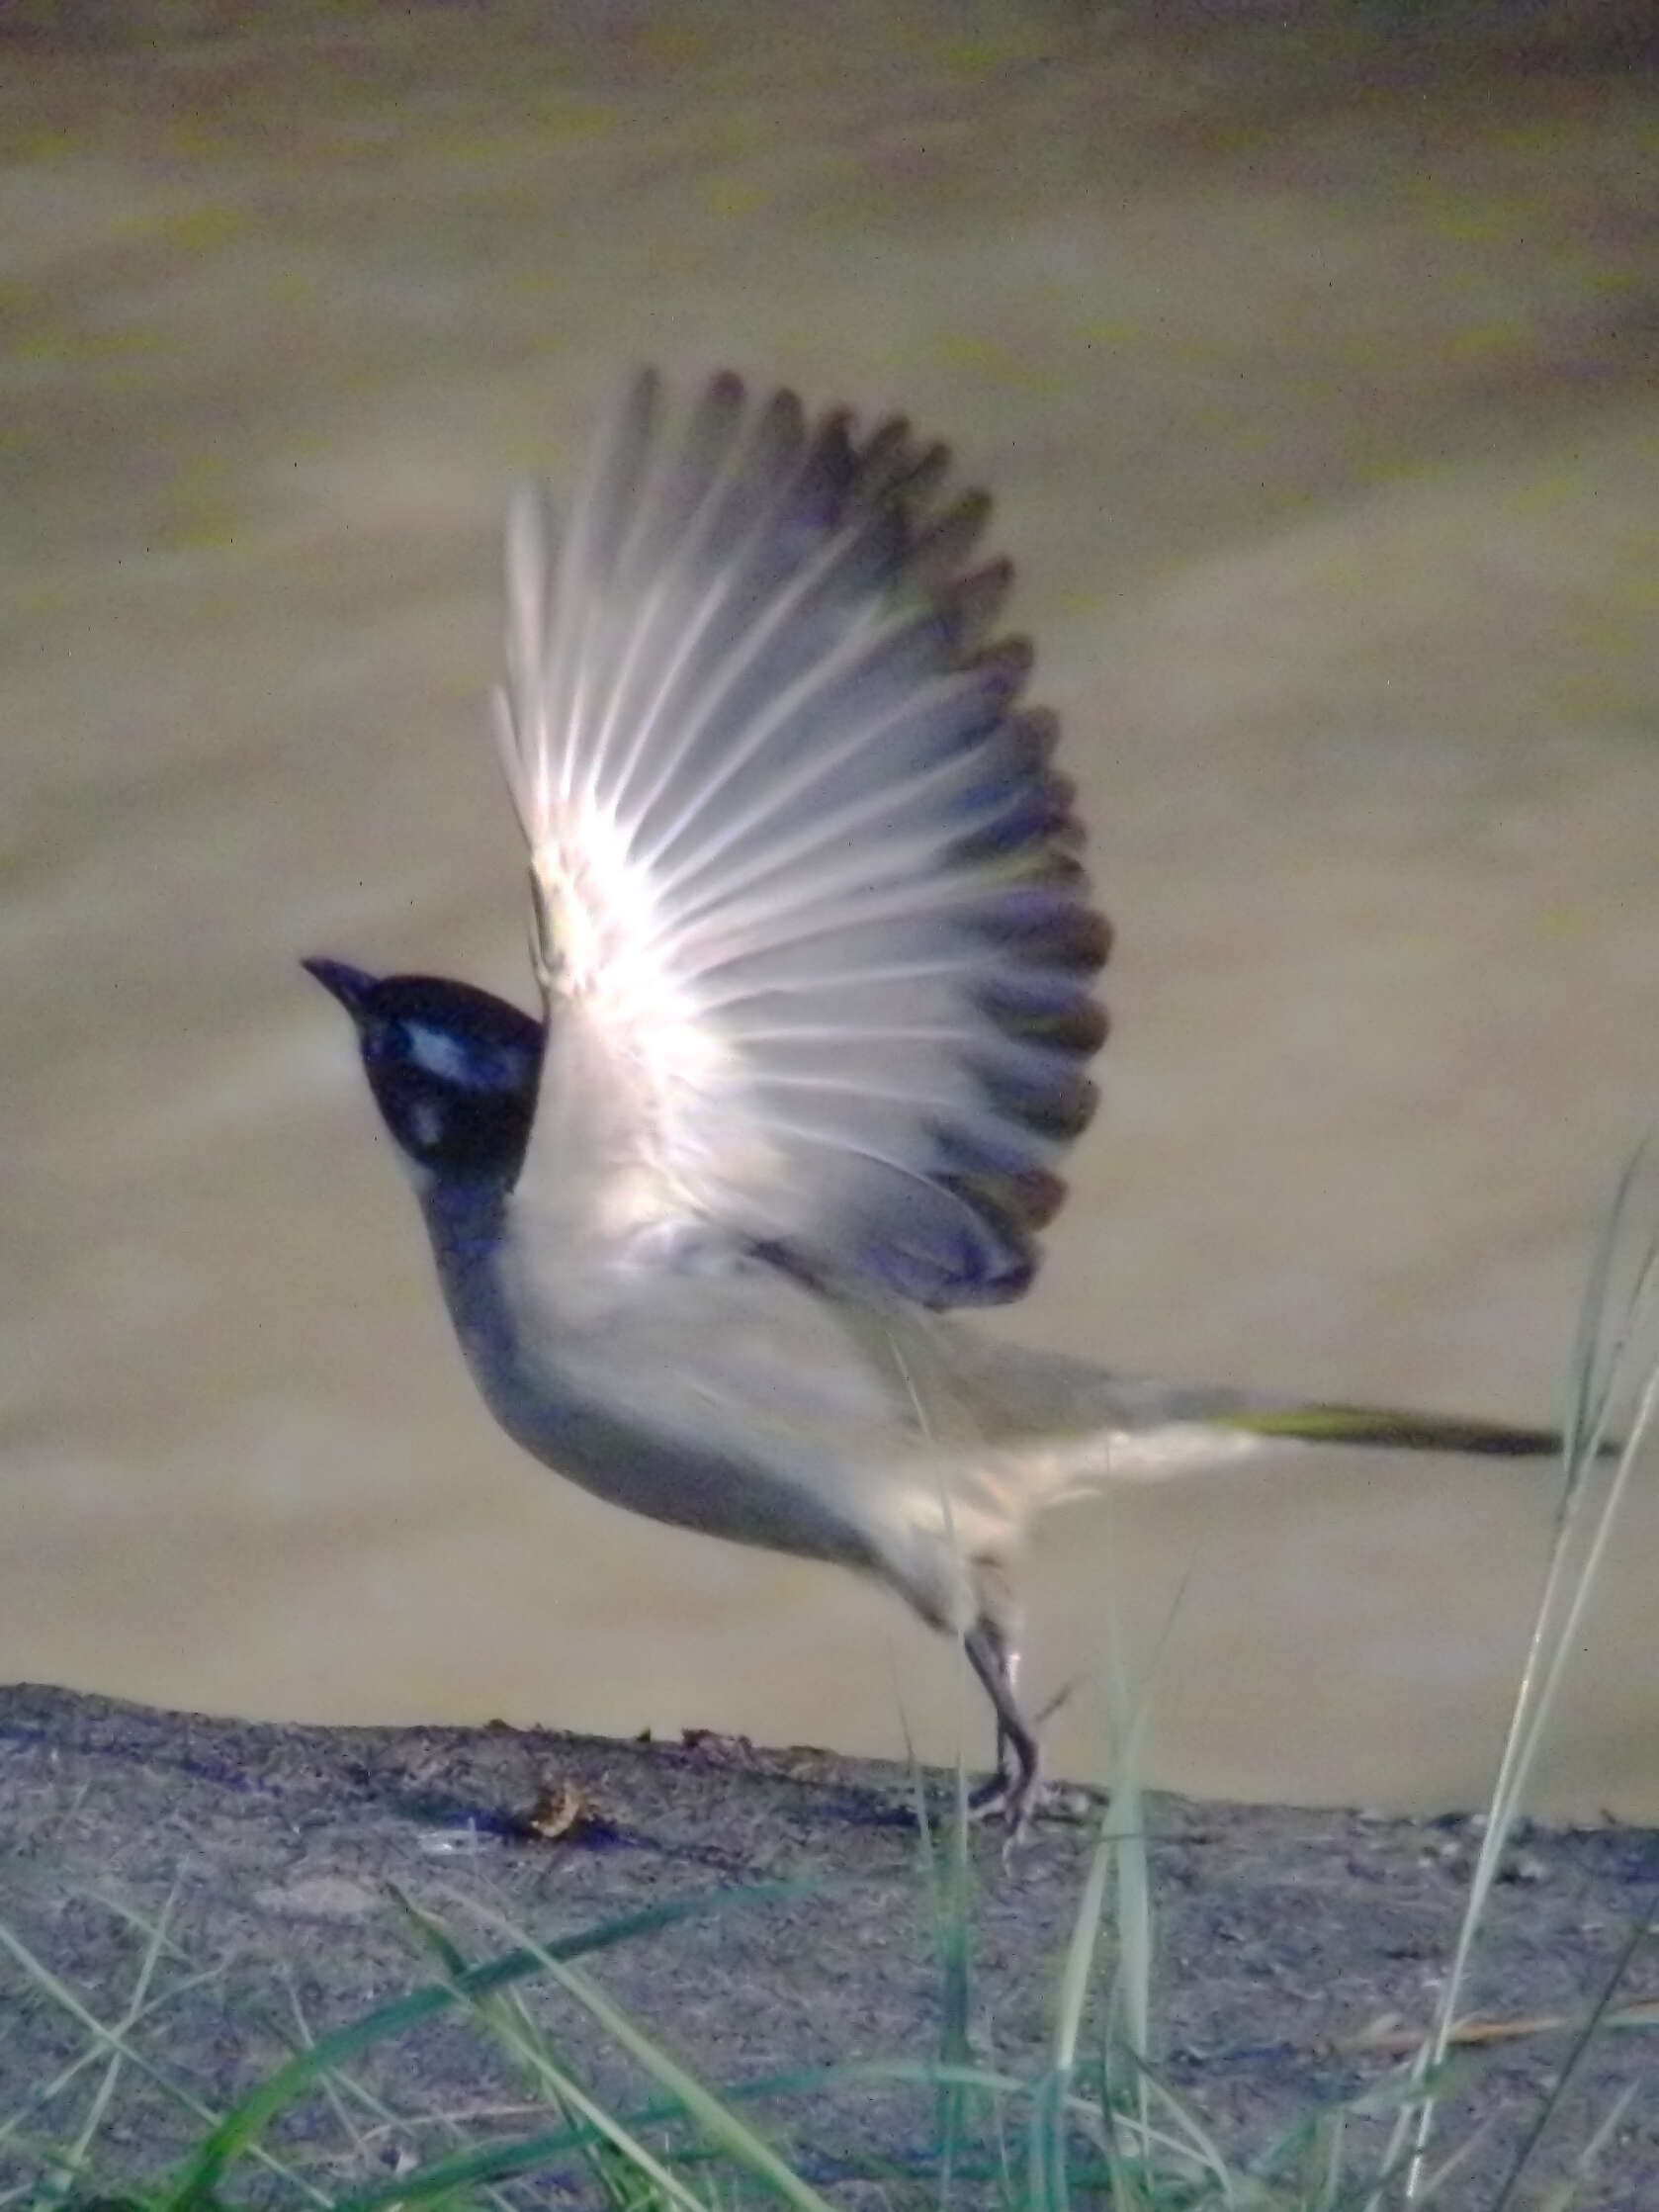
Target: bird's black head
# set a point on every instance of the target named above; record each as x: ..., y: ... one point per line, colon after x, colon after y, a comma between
x: 454, y: 1070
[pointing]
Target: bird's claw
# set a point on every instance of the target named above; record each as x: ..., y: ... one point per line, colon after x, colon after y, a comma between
x: 1014, y: 1795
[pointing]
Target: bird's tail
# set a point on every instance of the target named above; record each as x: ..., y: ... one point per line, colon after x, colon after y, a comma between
x: 1156, y: 1432
x: 1051, y: 1399
x: 1387, y: 1429
x: 1148, y: 1432
x: 1012, y: 1430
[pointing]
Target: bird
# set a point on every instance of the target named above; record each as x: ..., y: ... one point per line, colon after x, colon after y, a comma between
x: 819, y: 962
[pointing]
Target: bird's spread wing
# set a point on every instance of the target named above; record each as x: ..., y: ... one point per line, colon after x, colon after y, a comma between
x: 818, y: 949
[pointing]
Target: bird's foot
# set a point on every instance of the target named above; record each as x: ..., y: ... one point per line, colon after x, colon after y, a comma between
x: 1013, y: 1795
x: 1017, y: 1793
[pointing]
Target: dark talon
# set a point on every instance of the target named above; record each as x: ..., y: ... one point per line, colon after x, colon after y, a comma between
x: 1015, y: 1790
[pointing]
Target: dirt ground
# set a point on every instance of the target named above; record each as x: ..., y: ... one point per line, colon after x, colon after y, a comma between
x: 1293, y: 1949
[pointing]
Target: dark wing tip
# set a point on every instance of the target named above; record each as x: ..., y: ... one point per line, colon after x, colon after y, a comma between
x: 1027, y: 897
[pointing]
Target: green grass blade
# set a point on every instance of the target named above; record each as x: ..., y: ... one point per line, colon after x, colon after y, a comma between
x: 710, y: 2114
x: 238, y: 2131
x: 1606, y: 1347
x: 1640, y: 1931
x: 108, y: 2038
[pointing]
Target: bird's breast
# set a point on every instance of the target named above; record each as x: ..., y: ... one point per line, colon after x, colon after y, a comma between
x: 728, y: 1401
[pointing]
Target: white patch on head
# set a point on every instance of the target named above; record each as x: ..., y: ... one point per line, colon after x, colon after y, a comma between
x: 468, y: 1066
x: 440, y: 1054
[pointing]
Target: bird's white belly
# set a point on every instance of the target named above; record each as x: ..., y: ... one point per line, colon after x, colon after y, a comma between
x: 739, y: 1407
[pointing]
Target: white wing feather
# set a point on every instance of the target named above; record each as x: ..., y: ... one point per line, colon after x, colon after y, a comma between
x: 817, y: 950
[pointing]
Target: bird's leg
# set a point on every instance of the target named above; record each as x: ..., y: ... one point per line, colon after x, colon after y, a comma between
x: 995, y: 1650
x: 1014, y: 1789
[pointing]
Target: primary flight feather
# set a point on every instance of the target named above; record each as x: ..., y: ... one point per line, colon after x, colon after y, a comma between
x: 805, y: 876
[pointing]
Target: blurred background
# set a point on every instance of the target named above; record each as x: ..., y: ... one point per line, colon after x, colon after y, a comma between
x: 1312, y: 355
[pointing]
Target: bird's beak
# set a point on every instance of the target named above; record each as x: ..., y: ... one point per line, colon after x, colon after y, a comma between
x: 351, y: 986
